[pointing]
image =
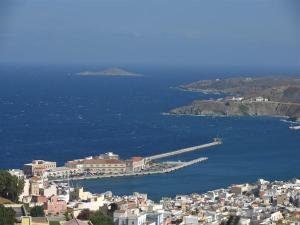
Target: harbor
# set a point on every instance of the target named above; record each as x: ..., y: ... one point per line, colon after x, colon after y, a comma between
x: 109, y: 165
x: 161, y: 168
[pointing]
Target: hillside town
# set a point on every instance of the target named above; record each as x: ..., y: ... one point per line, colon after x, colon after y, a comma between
x: 260, y: 203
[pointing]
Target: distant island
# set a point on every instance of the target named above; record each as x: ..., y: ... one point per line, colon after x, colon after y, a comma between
x: 246, y: 96
x: 110, y: 72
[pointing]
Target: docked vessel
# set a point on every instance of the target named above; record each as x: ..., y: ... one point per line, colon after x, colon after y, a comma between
x: 295, y: 127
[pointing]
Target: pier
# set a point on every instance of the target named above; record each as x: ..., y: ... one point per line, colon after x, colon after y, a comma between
x: 109, y: 165
x: 216, y: 141
x: 150, y: 171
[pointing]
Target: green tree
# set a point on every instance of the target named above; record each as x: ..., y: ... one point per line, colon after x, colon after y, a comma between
x: 7, y: 215
x: 85, y: 214
x: 37, y: 211
x: 10, y: 186
x: 54, y: 223
x: 98, y: 218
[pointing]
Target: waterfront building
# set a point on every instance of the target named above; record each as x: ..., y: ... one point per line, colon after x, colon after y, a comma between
x: 37, y: 167
x: 95, y: 165
x: 135, y: 164
x: 60, y: 172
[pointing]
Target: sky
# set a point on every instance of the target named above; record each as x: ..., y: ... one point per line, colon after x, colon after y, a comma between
x: 162, y: 32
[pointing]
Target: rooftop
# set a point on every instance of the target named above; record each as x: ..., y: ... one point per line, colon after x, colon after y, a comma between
x: 96, y: 161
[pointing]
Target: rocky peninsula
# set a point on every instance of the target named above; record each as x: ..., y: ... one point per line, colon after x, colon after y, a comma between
x: 246, y: 96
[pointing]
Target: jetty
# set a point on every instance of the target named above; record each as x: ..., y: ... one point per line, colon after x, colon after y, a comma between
x: 150, y: 171
x: 110, y: 165
x: 216, y: 141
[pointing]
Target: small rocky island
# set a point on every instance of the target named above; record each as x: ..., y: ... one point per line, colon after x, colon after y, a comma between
x: 246, y: 96
x: 110, y: 72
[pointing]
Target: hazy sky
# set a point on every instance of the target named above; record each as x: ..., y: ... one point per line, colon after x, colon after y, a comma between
x: 173, y: 32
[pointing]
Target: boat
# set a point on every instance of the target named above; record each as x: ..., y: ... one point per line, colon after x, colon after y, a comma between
x: 294, y: 127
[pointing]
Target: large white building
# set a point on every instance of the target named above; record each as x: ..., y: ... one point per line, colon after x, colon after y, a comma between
x: 108, y: 163
x: 130, y: 217
x: 105, y: 166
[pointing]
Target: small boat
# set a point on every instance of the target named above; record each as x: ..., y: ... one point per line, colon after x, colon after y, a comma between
x: 294, y: 127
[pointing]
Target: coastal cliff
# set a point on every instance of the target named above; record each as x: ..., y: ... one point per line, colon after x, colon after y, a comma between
x: 234, y: 108
x: 267, y: 96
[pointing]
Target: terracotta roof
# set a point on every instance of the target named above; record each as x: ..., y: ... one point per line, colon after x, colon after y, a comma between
x: 136, y: 158
x: 75, y: 222
x: 39, y: 220
x: 97, y: 161
x: 35, y: 178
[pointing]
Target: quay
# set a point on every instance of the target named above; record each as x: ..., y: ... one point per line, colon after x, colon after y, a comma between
x: 110, y: 165
x: 179, y: 165
x: 216, y: 141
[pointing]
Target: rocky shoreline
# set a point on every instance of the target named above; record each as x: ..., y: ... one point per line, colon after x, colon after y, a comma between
x: 233, y: 108
x: 277, y: 97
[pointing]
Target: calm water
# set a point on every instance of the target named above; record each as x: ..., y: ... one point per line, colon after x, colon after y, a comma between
x: 46, y: 112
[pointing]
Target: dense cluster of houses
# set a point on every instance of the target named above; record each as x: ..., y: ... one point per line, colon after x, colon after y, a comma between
x: 261, y: 203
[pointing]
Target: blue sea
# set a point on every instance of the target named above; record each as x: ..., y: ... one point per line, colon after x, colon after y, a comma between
x: 48, y: 112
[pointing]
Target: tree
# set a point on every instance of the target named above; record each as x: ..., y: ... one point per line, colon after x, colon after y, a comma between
x: 54, y: 223
x: 98, y: 218
x: 85, y: 214
x: 37, y: 211
x: 10, y: 186
x: 67, y: 216
x: 7, y: 215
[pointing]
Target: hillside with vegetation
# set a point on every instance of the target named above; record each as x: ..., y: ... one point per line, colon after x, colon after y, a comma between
x: 260, y: 96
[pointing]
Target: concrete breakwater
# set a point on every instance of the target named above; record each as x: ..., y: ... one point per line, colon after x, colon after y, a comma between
x: 179, y: 165
x: 216, y: 141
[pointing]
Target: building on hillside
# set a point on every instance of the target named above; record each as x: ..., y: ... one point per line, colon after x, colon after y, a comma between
x: 55, y: 206
x: 261, y: 99
x: 239, y: 189
x: 130, y: 217
x: 50, y: 190
x: 95, y: 165
x: 38, y: 201
x: 28, y: 220
x: 157, y: 218
x: 79, y: 194
x: 190, y: 219
x: 16, y: 172
x: 35, y: 183
x: 37, y: 167
x: 26, y: 190
x: 75, y: 222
